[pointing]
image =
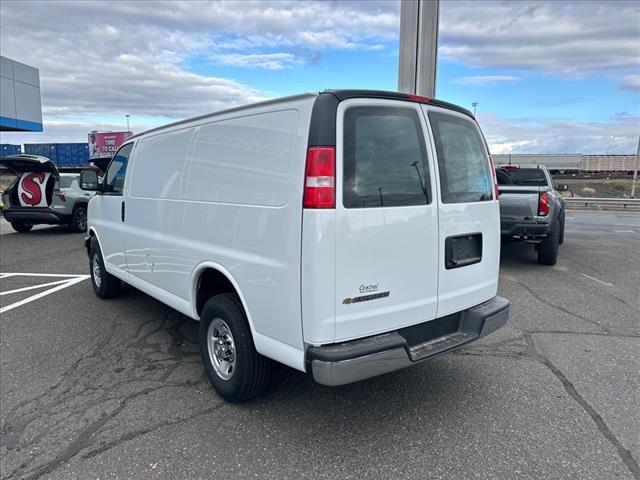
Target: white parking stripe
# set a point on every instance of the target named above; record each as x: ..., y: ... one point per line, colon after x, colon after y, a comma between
x: 596, y: 280
x: 33, y: 287
x: 23, y: 274
x: 70, y: 280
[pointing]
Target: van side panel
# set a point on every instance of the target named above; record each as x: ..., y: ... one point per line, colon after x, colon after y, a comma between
x: 227, y: 190
x: 154, y: 212
x: 236, y: 202
x: 243, y: 185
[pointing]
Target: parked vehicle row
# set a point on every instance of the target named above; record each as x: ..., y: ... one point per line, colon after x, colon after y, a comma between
x: 344, y: 234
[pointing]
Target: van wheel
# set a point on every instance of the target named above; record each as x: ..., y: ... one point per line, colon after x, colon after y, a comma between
x: 21, y: 227
x: 234, y: 367
x: 79, y: 219
x: 548, y: 248
x: 561, y: 235
x: 104, y: 284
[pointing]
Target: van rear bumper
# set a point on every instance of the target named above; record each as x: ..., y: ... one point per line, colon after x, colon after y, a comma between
x: 348, y: 362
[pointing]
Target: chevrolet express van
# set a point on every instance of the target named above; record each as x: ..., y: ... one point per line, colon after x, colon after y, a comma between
x: 345, y: 234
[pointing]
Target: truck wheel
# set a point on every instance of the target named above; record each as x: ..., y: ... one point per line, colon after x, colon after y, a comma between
x: 234, y: 367
x: 548, y: 248
x: 561, y: 235
x: 79, y: 219
x: 21, y: 227
x: 104, y: 284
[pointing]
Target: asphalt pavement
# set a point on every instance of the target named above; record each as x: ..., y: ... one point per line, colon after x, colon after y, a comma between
x: 93, y: 389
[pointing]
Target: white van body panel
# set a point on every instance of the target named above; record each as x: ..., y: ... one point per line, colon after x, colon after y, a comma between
x: 224, y: 190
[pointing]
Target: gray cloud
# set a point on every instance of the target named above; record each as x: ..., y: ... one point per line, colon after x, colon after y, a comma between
x: 105, y: 59
x: 630, y: 82
x: 483, y: 80
x: 112, y: 58
x: 506, y: 135
x: 568, y: 38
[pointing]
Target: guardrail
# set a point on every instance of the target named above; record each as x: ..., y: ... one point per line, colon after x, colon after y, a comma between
x: 605, y: 203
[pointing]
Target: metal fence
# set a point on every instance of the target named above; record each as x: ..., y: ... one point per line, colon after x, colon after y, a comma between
x: 604, y: 203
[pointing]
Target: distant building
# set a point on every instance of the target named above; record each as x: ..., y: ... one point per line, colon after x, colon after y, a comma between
x: 20, y: 107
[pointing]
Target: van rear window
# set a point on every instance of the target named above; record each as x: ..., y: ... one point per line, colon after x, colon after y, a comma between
x: 525, y: 177
x: 465, y: 175
x: 385, y: 160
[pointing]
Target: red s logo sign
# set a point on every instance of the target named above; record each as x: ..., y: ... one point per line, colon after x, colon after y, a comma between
x: 32, y: 194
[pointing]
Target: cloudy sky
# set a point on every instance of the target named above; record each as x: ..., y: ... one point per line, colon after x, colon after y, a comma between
x: 549, y: 77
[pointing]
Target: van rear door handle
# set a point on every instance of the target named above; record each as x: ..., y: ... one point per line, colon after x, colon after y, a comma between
x: 122, y: 211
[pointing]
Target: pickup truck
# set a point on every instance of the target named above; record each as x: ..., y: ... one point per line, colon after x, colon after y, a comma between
x: 531, y: 209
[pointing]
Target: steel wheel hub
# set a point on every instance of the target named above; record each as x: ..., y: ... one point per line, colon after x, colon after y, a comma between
x: 97, y: 272
x: 222, y: 349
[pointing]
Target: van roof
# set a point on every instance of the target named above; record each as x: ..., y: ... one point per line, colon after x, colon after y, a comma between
x: 339, y: 94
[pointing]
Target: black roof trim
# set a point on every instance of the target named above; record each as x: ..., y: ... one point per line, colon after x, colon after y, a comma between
x: 322, y: 131
x: 345, y: 94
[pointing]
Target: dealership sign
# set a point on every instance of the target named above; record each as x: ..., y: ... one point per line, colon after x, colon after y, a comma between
x: 103, y: 145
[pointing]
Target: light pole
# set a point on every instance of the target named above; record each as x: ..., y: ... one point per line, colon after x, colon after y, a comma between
x: 127, y: 115
x: 474, y: 105
x: 418, y: 47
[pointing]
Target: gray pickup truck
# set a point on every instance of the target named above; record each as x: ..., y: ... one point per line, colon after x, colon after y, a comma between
x: 531, y: 209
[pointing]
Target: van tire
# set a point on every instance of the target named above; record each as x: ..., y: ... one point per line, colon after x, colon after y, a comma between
x: 561, y: 236
x: 79, y: 219
x: 21, y: 227
x: 250, y: 370
x: 548, y: 248
x: 104, y: 284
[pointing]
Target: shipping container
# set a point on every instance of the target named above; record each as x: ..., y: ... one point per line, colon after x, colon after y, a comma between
x: 72, y: 154
x: 9, y: 149
x: 47, y: 150
x: 62, y: 154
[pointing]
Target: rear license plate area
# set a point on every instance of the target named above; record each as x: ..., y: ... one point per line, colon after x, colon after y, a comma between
x: 463, y: 250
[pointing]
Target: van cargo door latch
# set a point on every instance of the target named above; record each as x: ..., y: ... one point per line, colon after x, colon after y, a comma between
x: 122, y: 211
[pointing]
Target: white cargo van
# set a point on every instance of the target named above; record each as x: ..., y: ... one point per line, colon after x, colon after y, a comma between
x: 345, y: 234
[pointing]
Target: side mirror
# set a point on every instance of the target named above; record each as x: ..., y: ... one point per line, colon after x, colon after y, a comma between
x: 89, y: 181
x: 563, y: 187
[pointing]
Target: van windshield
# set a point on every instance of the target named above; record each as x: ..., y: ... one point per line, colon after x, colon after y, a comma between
x: 521, y: 176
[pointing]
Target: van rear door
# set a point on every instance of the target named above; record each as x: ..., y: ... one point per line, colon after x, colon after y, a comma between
x: 469, y: 217
x: 386, y: 219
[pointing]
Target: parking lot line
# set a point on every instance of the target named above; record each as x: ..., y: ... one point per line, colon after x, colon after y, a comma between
x: 597, y: 280
x: 33, y: 287
x: 29, y: 274
x: 59, y: 285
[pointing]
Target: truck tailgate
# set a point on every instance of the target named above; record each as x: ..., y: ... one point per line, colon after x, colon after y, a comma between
x: 519, y: 204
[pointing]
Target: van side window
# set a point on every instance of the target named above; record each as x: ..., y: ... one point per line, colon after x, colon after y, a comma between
x: 114, y: 181
x: 462, y: 159
x: 385, y: 159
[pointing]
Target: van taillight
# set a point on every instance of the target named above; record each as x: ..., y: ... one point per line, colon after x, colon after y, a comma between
x: 496, y: 190
x: 543, y: 204
x: 320, y: 178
